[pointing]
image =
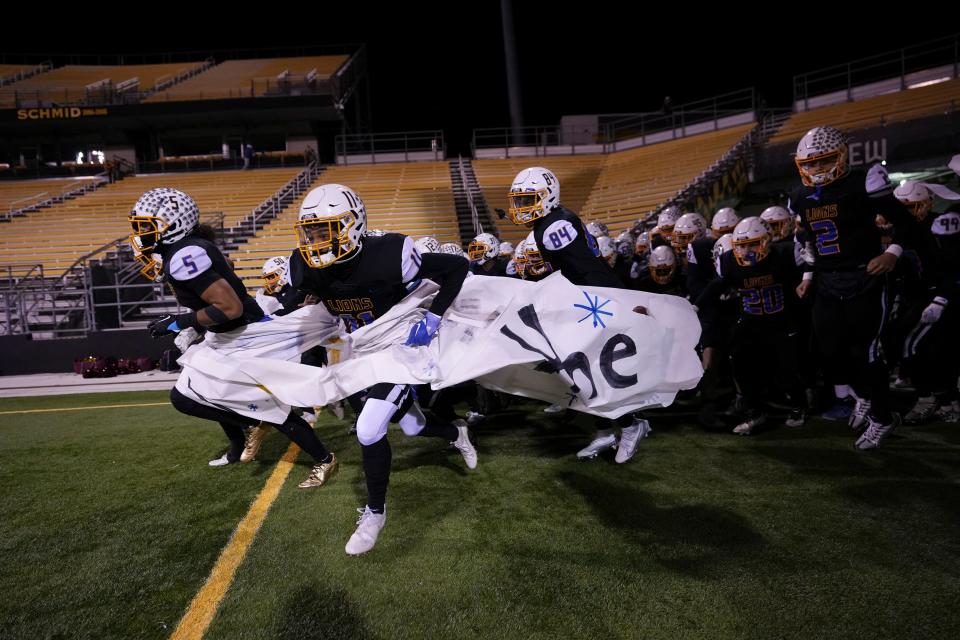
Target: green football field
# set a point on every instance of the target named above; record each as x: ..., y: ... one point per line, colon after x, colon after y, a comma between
x: 111, y: 521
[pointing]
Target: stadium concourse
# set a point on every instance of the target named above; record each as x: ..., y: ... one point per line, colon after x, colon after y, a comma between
x: 58, y: 384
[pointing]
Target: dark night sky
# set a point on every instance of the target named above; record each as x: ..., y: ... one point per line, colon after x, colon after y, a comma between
x: 442, y: 67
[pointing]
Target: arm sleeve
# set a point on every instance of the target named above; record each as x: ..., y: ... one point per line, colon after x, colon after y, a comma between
x: 706, y: 302
x: 905, y: 227
x: 449, y: 272
x: 410, y: 260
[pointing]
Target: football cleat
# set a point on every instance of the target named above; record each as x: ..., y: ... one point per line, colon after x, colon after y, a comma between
x: 368, y: 529
x: 320, y: 473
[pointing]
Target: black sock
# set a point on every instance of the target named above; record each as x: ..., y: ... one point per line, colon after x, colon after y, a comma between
x: 437, y: 429
x: 296, y: 428
x: 237, y: 440
x: 376, y: 469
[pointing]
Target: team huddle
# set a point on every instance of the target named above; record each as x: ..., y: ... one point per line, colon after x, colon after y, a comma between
x: 849, y: 279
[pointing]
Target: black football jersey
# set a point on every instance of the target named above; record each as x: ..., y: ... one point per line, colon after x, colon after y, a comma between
x: 566, y: 245
x: 191, y: 265
x: 699, y: 268
x: 766, y: 291
x: 382, y: 273
x: 839, y: 219
x: 938, y: 248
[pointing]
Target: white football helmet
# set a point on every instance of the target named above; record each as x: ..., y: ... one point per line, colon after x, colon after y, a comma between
x: 626, y: 244
x: 597, y: 229
x: 427, y: 244
x: 506, y: 249
x: 689, y: 227
x: 662, y: 264
x: 724, y: 243
x: 534, y: 193
x: 160, y: 216
x: 821, y: 156
x: 608, y: 250
x: 751, y: 241
x: 916, y: 196
x: 642, y: 244
x: 779, y: 220
x: 520, y: 258
x: 667, y: 218
x: 331, y: 225
x: 484, y: 247
x: 276, y: 274
x: 453, y: 249
x: 534, y: 264
x: 724, y: 221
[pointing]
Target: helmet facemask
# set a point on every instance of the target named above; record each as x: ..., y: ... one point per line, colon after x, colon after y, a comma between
x: 152, y: 268
x: 483, y: 248
x: 273, y: 282
x: 821, y: 170
x: 527, y: 206
x: 663, y: 273
x: 750, y: 251
x: 534, y: 264
x: 323, y: 241
x: 476, y: 251
x: 778, y: 228
x: 919, y: 208
x: 146, y: 234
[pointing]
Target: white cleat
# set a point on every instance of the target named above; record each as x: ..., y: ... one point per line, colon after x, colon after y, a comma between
x: 601, y: 443
x: 860, y: 415
x: 222, y: 461
x: 368, y: 528
x: 463, y: 444
x: 875, y: 433
x: 747, y: 427
x: 474, y: 418
x: 630, y: 437
x: 554, y: 409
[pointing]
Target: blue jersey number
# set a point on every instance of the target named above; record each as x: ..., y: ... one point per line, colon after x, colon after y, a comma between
x: 827, y: 237
x: 191, y: 266
x: 564, y: 233
x: 765, y: 300
x: 353, y: 323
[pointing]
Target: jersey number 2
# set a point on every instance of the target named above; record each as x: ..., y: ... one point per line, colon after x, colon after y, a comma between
x: 827, y: 237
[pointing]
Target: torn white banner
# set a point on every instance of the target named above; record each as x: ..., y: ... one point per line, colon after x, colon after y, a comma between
x: 583, y: 347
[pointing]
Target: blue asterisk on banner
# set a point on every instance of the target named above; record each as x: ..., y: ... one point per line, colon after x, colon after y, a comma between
x: 595, y: 309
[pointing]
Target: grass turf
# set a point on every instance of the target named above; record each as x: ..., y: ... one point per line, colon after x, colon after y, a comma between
x: 112, y: 520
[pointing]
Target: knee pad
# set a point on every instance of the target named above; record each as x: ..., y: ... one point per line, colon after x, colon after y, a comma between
x: 373, y: 421
x: 413, y: 421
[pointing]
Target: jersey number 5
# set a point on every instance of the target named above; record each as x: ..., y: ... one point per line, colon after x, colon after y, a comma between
x: 190, y: 265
